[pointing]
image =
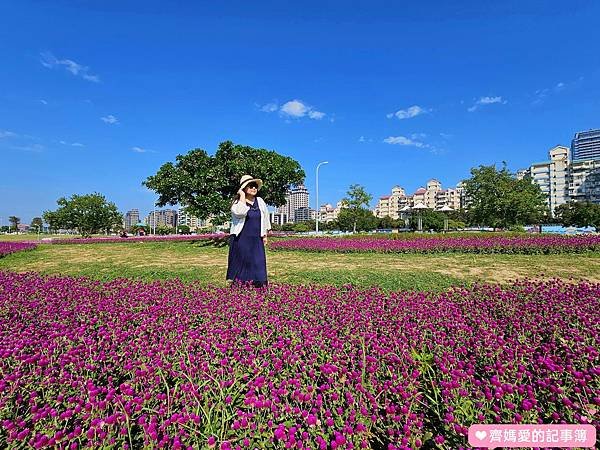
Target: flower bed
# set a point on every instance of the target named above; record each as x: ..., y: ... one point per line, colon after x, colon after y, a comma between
x: 538, y: 244
x: 7, y: 248
x: 166, y: 365
x: 153, y: 238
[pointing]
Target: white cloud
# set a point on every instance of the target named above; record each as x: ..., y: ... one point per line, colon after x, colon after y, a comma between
x: 542, y: 94
x: 402, y: 140
x: 7, y: 134
x: 362, y: 139
x: 109, y: 119
x: 486, y: 101
x: 139, y: 149
x: 74, y: 144
x: 294, y: 109
x: 408, y: 113
x: 269, y: 107
x: 50, y: 61
x: 43, y: 102
x: 318, y: 115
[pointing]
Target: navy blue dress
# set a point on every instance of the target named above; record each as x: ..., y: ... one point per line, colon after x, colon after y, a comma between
x: 247, y: 259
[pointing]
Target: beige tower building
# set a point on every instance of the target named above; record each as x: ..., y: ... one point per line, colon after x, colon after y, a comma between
x: 553, y: 177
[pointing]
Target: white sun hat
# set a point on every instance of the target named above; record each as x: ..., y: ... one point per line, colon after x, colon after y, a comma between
x: 247, y: 179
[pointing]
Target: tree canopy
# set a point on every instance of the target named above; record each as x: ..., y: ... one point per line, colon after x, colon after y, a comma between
x: 206, y: 185
x: 497, y: 199
x: 15, y: 221
x: 37, y: 223
x: 579, y: 214
x: 355, y: 205
x: 88, y: 214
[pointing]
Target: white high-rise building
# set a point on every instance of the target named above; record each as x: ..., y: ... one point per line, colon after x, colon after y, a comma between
x: 563, y: 180
x: 553, y: 177
x: 296, y: 198
x: 186, y: 219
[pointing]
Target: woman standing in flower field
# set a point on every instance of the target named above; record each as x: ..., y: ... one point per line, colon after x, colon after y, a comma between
x: 250, y: 224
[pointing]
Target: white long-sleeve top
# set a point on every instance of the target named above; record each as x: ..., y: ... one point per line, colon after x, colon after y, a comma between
x: 238, y: 217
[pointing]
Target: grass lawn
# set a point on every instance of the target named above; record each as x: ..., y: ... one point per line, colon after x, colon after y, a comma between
x: 208, y: 264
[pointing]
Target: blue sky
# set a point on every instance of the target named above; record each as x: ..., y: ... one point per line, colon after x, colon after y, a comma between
x: 96, y: 96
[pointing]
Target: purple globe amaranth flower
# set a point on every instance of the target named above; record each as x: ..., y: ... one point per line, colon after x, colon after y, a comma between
x: 306, y: 357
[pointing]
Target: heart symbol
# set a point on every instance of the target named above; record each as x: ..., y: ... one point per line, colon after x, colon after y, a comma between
x: 481, y: 435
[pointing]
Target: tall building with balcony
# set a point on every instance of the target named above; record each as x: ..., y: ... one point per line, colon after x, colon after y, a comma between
x: 431, y: 191
x: 433, y: 197
x: 165, y: 217
x: 390, y: 205
x: 304, y: 214
x: 132, y: 217
x: 586, y: 145
x: 553, y: 177
x: 584, y: 181
x: 296, y: 198
x: 327, y: 213
x: 184, y: 218
x: 448, y: 197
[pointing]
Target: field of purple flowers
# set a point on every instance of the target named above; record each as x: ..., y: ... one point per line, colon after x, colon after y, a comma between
x: 152, y: 238
x: 168, y: 365
x: 7, y: 248
x: 525, y: 244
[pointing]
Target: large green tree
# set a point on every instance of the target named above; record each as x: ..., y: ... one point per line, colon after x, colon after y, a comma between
x: 355, y: 205
x: 15, y: 221
x: 37, y: 223
x: 579, y: 214
x: 88, y: 214
x: 498, y: 199
x: 430, y: 220
x: 361, y: 219
x: 206, y: 184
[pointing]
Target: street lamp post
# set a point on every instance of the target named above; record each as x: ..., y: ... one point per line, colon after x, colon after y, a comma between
x: 154, y: 220
x: 318, y: 210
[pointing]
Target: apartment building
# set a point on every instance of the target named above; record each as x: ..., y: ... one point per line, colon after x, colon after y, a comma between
x: 166, y: 217
x: 563, y: 180
x: 132, y: 217
x: 328, y: 213
x: 448, y: 197
x: 184, y: 218
x: 296, y: 198
x: 304, y: 214
x: 431, y: 192
x: 432, y: 196
x: 584, y: 181
x: 553, y: 177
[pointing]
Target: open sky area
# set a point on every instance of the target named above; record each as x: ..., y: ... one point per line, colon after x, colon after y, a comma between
x: 96, y: 96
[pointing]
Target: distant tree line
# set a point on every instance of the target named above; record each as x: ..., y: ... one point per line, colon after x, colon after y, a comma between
x: 207, y: 184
